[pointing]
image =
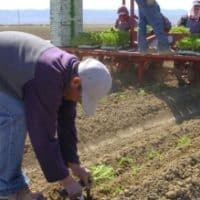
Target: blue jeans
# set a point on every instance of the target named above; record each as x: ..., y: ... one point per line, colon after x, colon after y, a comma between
x: 12, y: 139
x: 150, y: 14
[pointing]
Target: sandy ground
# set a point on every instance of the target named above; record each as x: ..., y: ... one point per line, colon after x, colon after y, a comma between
x: 134, y: 124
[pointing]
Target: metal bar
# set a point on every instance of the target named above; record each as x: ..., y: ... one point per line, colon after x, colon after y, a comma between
x: 133, y: 34
x: 140, y: 72
x: 134, y: 55
x: 132, y: 7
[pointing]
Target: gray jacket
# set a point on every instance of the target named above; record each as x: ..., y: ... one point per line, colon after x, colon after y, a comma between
x: 19, y: 53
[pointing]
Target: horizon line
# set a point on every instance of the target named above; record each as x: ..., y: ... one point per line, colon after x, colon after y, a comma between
x: 83, y: 9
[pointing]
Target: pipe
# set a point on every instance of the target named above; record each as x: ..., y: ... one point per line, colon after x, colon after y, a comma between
x: 132, y: 7
x: 133, y: 34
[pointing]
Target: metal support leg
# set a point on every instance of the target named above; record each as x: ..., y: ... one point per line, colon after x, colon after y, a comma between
x: 140, y: 72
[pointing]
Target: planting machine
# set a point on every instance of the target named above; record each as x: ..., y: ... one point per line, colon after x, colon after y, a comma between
x: 188, y: 62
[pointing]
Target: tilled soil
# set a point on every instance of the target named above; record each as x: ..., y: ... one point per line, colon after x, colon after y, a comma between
x: 136, y: 123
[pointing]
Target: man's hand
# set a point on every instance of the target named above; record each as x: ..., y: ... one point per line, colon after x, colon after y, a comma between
x: 72, y: 187
x: 82, y: 173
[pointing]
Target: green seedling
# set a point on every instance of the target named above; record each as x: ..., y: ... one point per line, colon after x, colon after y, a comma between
x: 135, y: 170
x: 102, y: 173
x: 86, y: 38
x: 122, y: 97
x: 114, y: 38
x: 191, y: 42
x: 126, y: 162
x: 129, y: 162
x: 180, y: 30
x: 142, y: 92
x: 117, y: 190
x: 154, y: 155
x: 111, y: 189
x: 183, y: 142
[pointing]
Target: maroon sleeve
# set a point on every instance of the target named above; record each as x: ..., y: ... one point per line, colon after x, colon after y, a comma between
x: 67, y: 132
x: 43, y: 100
x: 42, y: 124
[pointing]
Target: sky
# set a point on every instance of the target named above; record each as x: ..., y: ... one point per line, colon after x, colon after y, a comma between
x: 90, y: 4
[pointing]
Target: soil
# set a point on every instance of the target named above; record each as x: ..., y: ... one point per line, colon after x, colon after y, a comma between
x: 131, y: 123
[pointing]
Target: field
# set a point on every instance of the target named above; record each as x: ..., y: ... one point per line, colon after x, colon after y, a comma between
x: 143, y: 143
x: 44, y: 30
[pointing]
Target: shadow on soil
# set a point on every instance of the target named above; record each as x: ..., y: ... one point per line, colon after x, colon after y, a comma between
x: 183, y: 101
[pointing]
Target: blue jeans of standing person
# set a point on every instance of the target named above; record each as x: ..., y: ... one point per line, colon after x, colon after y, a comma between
x: 12, y: 139
x: 149, y: 13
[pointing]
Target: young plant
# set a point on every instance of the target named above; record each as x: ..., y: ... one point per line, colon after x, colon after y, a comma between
x: 180, y: 30
x: 191, y: 42
x: 117, y: 190
x: 153, y: 154
x: 111, y: 189
x: 142, y: 92
x: 185, y: 44
x: 114, y: 38
x: 123, y: 38
x: 109, y: 38
x: 183, y: 142
x: 135, y: 170
x: 197, y: 44
x: 86, y: 38
x: 102, y: 173
x: 126, y: 162
x: 129, y: 162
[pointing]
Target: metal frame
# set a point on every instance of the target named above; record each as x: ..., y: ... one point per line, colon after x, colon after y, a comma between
x: 136, y: 57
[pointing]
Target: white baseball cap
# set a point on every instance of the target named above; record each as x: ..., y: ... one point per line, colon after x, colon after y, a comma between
x: 96, y: 82
x: 196, y: 3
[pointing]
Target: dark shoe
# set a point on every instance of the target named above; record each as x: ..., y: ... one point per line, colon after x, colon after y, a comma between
x: 24, y: 194
x: 3, y: 197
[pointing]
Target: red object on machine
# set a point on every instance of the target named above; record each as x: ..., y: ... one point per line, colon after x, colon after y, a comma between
x: 136, y: 57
